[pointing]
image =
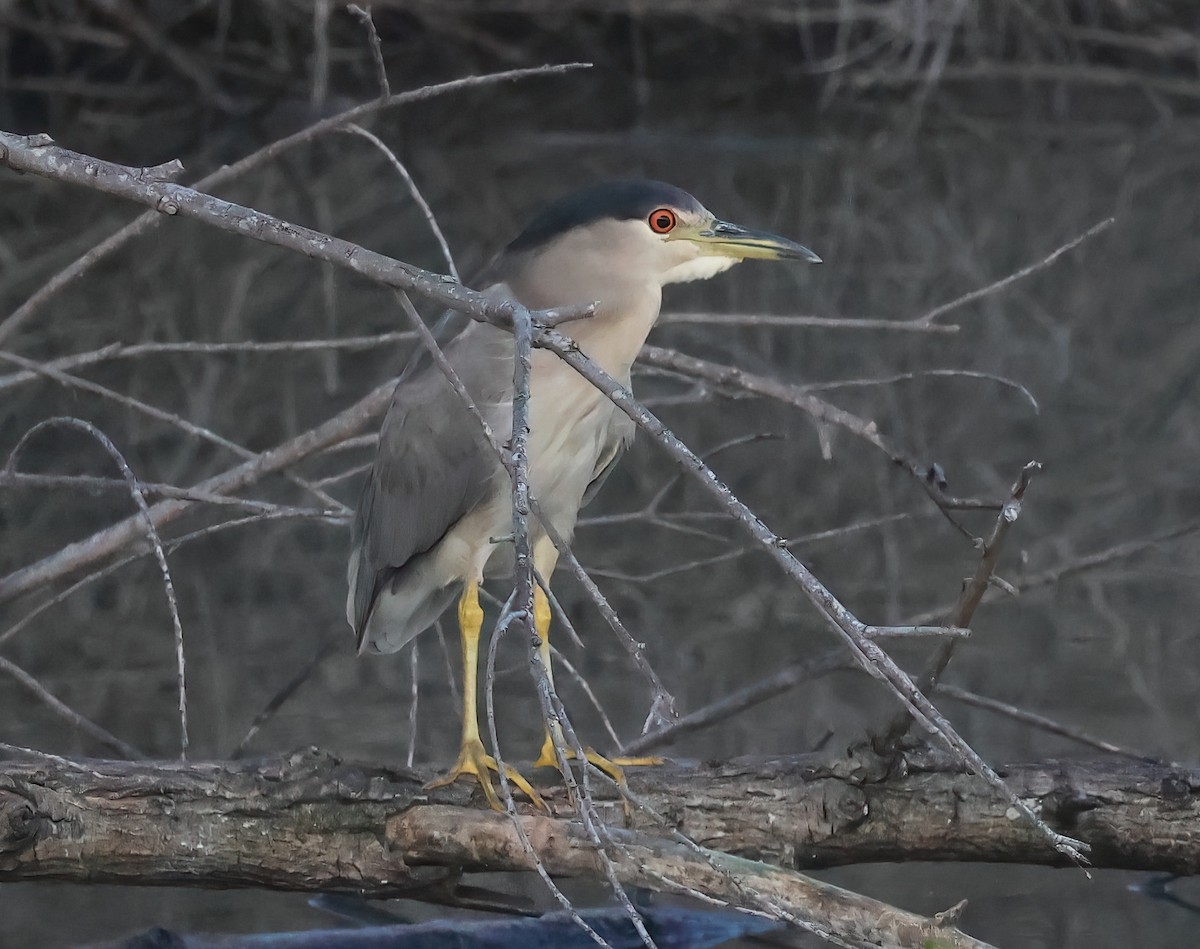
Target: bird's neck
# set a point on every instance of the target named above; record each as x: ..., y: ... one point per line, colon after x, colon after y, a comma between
x: 614, y: 336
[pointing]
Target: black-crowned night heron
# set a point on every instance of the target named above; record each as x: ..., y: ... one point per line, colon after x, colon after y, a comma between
x: 437, y: 502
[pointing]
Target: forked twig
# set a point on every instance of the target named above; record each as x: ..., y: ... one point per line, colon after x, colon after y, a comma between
x: 972, y: 594
x: 725, y: 376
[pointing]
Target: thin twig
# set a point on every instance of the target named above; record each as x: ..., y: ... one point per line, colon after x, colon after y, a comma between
x: 116, y: 565
x: 285, y: 692
x: 343, y: 475
x: 662, y: 705
x: 730, y: 705
x: 170, y: 418
x: 725, y: 376
x: 65, y: 712
x: 320, y: 58
x: 414, y: 674
x: 108, y: 541
x: 256, y: 160
x: 385, y: 89
x: 451, y: 684
x: 968, y: 601
x: 139, y: 499
x: 910, y: 376
x: 583, y: 683
x: 1021, y: 274
x: 413, y: 190
x: 1035, y: 720
x: 115, y: 351
x: 787, y: 321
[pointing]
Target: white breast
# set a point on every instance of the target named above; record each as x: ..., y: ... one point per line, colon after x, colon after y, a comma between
x: 570, y: 430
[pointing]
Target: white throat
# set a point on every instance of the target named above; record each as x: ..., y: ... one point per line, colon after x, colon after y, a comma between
x: 698, y: 268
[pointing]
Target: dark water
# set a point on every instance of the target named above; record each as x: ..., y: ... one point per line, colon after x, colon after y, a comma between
x: 909, y: 212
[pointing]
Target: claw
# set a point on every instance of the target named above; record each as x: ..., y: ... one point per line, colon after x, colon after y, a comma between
x: 474, y: 761
x: 613, y: 767
x: 610, y: 766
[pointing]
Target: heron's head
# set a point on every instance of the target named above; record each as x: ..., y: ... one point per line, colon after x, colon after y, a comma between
x: 619, y: 237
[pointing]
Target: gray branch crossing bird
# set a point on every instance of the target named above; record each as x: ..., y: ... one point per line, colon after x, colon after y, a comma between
x: 437, y: 503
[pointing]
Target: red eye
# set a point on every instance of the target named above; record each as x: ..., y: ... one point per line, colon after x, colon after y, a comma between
x: 662, y: 220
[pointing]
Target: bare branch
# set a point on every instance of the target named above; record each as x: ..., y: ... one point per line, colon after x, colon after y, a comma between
x: 723, y: 709
x: 1012, y: 278
x: 170, y: 418
x: 139, y: 500
x: 65, y: 712
x: 116, y: 351
x: 923, y: 373
x: 1040, y: 722
x: 419, y: 198
x: 256, y: 160
x: 873, y: 659
x: 788, y: 322
x: 732, y: 377
x: 385, y: 89
x: 24, y: 479
x: 972, y: 594
x: 112, y: 539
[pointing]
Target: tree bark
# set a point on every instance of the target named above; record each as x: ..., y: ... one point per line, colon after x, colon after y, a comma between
x: 311, y: 821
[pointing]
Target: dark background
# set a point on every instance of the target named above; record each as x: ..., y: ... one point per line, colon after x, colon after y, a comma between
x: 924, y: 149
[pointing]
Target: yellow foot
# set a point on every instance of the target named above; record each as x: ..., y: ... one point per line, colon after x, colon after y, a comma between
x: 613, y: 767
x: 474, y: 761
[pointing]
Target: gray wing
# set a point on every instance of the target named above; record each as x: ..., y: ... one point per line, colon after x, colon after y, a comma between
x: 620, y: 436
x: 432, y: 466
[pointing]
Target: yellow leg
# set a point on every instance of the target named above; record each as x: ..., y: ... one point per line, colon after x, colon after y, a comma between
x: 473, y: 759
x: 541, y: 625
x: 545, y: 556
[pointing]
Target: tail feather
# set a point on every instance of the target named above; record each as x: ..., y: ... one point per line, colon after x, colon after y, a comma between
x: 387, y: 612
